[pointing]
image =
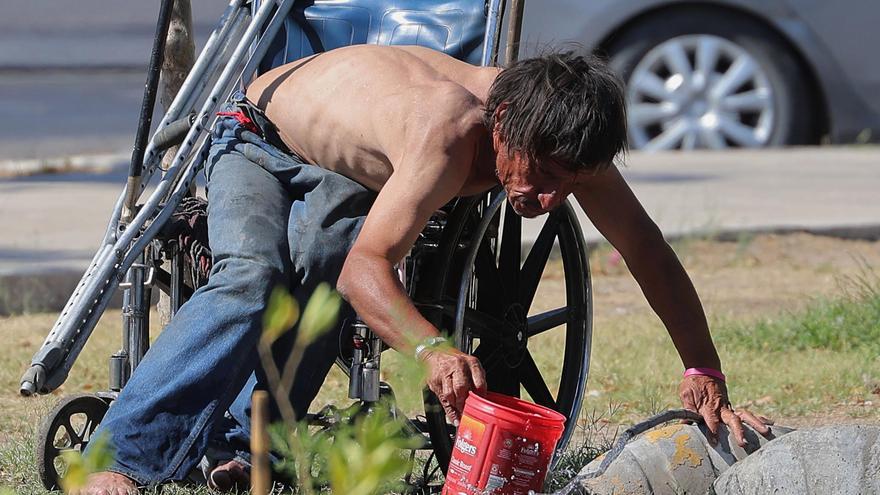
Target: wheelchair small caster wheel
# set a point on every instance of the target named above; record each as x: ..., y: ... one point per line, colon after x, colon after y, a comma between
x: 68, y: 427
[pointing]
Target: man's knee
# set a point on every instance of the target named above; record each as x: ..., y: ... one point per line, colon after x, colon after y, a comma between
x: 245, y: 275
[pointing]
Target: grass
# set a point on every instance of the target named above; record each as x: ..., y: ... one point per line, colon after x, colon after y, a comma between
x: 798, y: 336
x: 829, y: 351
x: 640, y: 370
x: 788, y: 353
x: 850, y: 322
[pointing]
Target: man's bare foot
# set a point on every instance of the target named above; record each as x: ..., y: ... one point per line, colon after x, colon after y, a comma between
x: 229, y: 476
x: 108, y: 483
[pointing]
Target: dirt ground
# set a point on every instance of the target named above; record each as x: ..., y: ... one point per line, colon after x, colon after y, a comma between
x: 752, y: 277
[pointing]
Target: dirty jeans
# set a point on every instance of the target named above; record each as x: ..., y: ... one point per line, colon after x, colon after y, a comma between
x: 272, y: 220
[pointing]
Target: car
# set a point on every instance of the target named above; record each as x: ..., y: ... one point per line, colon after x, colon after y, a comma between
x: 729, y: 73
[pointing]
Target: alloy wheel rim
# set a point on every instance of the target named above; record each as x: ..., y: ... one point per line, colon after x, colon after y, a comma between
x: 699, y: 91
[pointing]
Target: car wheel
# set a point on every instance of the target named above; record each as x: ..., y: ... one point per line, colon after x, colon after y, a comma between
x: 703, y: 79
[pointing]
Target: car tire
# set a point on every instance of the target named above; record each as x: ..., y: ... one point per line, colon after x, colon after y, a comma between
x: 790, y: 108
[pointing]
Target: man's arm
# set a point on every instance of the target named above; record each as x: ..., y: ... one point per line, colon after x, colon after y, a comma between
x: 618, y: 215
x: 426, y: 178
x: 615, y: 211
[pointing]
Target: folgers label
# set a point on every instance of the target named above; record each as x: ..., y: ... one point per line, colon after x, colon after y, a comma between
x: 462, y: 445
x: 503, y: 446
x: 465, y: 450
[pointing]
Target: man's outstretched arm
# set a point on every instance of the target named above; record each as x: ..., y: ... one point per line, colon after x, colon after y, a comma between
x: 615, y: 211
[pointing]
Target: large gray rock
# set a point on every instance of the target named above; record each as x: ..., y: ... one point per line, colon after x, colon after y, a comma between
x: 674, y: 459
x: 828, y: 460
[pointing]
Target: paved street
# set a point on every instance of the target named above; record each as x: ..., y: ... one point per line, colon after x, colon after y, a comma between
x: 809, y: 188
x: 72, y: 78
x: 37, y: 34
x: 69, y: 113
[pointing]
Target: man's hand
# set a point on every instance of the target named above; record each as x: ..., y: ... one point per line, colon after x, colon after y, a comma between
x: 707, y: 396
x: 451, y: 375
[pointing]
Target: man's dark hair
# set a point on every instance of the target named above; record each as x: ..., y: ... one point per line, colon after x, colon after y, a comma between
x: 563, y: 106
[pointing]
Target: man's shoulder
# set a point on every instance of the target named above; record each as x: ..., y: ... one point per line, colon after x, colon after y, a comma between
x: 450, y: 95
x: 445, y: 126
x: 448, y: 106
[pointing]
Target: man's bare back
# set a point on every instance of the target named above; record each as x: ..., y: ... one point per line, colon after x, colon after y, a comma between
x: 358, y: 110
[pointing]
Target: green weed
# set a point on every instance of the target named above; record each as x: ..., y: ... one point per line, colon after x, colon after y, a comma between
x: 362, y: 454
x: 79, y: 465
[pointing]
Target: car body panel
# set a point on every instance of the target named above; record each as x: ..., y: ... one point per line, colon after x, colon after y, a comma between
x: 838, y: 62
x: 852, y: 40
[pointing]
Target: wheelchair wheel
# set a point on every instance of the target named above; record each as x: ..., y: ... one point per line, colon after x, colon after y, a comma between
x: 68, y: 427
x: 485, y: 296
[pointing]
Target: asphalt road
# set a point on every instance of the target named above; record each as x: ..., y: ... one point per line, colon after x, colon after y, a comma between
x: 72, y: 76
x: 37, y: 34
x: 57, y: 113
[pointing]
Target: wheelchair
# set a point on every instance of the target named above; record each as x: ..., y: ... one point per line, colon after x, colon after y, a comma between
x: 467, y: 273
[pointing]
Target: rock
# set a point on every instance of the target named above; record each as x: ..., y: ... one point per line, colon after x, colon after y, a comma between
x: 672, y: 460
x: 833, y: 459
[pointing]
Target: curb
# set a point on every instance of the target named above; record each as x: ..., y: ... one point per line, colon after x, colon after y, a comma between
x: 869, y: 232
x: 41, y: 292
x: 101, y: 163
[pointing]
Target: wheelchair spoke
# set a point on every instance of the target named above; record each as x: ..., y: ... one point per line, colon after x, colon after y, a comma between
x: 499, y: 377
x: 504, y: 382
x: 87, y: 429
x: 72, y: 434
x: 534, y: 265
x: 511, y: 249
x: 546, y: 321
x: 531, y: 379
x: 488, y: 354
x: 492, y: 291
x: 483, y: 325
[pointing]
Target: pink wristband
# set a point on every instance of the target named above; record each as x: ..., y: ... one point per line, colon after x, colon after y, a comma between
x: 706, y: 372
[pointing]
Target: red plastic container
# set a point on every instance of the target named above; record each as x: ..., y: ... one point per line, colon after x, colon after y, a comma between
x: 503, y: 446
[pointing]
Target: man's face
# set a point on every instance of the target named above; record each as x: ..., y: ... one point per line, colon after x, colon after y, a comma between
x: 533, y: 186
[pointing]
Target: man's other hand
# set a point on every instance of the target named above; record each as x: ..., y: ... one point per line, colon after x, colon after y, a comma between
x: 451, y: 375
x: 707, y: 396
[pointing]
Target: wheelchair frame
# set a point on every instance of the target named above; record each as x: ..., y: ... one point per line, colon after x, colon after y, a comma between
x: 130, y: 256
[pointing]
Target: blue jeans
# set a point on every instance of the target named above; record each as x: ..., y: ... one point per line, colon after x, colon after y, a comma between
x: 272, y: 220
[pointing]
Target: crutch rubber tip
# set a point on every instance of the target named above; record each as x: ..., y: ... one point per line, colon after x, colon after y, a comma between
x: 32, y: 380
x: 27, y: 389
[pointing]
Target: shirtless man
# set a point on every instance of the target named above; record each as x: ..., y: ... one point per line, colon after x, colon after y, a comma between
x: 419, y: 128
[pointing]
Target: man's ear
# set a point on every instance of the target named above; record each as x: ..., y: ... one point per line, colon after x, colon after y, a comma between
x: 498, y: 116
x: 497, y: 139
x: 497, y: 133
